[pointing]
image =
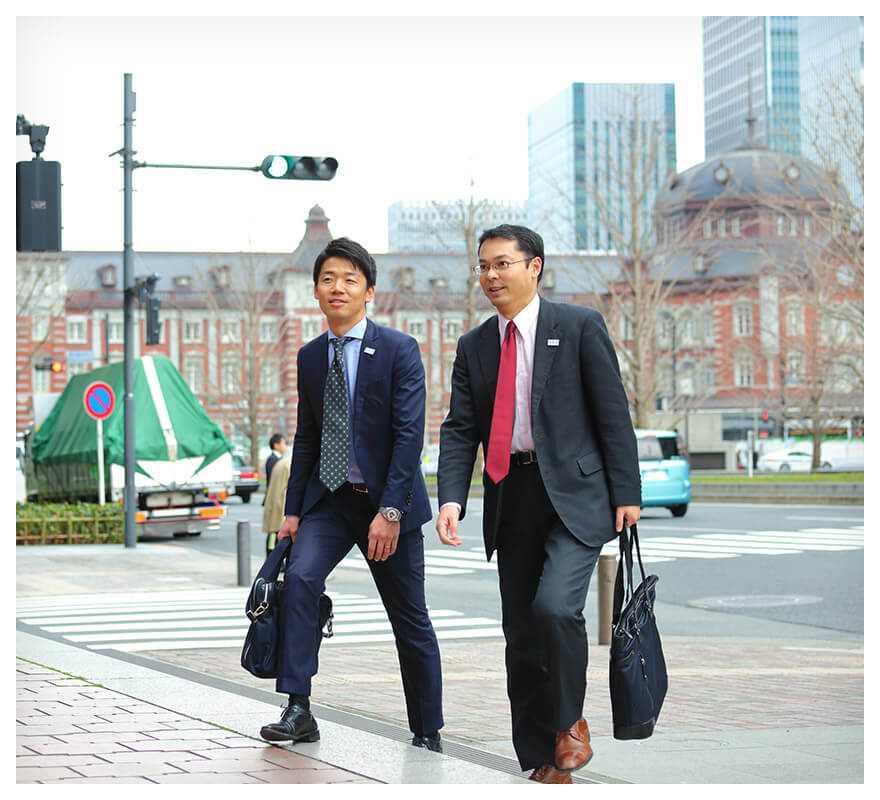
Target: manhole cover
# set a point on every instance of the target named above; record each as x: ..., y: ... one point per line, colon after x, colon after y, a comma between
x: 755, y: 601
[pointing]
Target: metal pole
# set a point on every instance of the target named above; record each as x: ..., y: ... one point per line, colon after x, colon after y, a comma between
x: 243, y: 532
x: 129, y: 498
x: 607, y: 574
x: 100, y: 462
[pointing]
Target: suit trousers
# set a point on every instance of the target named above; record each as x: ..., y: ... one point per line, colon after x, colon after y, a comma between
x: 327, y: 533
x: 544, y: 573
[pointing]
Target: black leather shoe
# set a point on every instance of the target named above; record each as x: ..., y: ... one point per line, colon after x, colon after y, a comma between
x: 297, y: 725
x: 431, y: 742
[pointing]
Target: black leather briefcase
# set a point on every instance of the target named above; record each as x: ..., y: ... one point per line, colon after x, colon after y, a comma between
x: 264, y: 608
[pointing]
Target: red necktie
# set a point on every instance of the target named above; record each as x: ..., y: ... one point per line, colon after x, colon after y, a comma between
x: 501, y: 433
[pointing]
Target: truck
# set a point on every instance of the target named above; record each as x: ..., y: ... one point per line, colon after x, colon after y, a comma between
x: 183, y: 461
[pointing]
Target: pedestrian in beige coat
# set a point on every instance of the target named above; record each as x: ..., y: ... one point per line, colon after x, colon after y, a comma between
x: 276, y: 493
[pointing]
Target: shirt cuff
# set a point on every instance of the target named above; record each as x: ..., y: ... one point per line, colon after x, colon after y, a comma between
x: 452, y: 503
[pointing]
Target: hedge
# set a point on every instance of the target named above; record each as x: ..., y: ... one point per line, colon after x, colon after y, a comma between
x: 69, y: 523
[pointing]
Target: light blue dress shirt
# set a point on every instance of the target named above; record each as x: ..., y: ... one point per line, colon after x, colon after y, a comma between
x: 351, y: 354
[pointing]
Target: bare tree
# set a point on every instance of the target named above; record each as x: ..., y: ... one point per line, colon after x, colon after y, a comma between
x: 41, y: 293
x: 244, y: 293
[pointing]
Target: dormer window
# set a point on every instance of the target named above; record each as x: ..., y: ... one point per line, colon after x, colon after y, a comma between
x: 221, y: 276
x: 183, y: 281
x: 107, y: 276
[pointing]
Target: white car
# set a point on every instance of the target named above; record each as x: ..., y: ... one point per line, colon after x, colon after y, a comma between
x: 792, y: 459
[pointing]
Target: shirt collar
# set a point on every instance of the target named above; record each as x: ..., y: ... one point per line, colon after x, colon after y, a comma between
x: 526, y: 320
x: 357, y: 332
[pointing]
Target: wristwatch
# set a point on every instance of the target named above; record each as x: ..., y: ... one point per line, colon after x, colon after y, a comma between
x: 391, y: 514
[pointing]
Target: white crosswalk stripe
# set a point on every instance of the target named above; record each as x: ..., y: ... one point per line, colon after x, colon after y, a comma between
x: 187, y: 620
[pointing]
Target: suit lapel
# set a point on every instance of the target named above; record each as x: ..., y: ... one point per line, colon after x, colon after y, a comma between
x: 367, y: 366
x: 318, y: 374
x: 489, y: 348
x: 544, y: 353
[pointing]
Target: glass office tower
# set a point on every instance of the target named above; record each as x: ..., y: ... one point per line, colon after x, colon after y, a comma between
x: 763, y: 52
x: 582, y: 143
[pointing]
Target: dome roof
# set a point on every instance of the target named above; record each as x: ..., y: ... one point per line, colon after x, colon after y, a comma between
x: 745, y: 175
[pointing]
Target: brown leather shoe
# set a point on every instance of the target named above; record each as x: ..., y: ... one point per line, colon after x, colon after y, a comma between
x: 573, y: 749
x: 549, y: 774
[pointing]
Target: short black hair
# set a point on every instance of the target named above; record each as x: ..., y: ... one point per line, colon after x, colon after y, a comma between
x: 276, y: 437
x: 526, y: 240
x: 350, y: 251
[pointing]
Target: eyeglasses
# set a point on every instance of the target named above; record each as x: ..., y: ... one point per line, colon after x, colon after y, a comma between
x: 482, y: 269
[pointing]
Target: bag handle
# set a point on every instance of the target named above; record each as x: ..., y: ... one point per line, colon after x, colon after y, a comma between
x: 625, y: 563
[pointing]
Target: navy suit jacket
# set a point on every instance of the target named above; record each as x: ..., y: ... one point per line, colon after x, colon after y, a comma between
x: 388, y: 424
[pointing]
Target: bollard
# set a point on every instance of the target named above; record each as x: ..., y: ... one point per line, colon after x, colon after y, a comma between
x: 244, y: 553
x: 607, y: 574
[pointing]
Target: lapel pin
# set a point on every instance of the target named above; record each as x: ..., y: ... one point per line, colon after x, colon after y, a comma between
x: 553, y: 343
x: 369, y: 350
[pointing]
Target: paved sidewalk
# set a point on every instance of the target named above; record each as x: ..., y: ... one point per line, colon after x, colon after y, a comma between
x: 767, y: 703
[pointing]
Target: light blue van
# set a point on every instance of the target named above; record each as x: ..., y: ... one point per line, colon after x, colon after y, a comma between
x: 666, y: 473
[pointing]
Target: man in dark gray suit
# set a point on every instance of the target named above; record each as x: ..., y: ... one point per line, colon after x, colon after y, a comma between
x: 539, y: 387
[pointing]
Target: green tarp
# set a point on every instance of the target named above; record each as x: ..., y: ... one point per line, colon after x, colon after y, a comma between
x: 69, y: 434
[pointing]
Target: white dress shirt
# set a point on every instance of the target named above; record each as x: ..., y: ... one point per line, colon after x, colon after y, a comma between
x: 526, y: 328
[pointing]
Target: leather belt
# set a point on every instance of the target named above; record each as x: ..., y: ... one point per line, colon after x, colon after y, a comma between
x: 523, y: 457
x: 359, y: 487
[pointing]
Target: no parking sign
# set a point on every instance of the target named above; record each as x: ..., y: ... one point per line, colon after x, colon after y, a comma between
x: 99, y: 402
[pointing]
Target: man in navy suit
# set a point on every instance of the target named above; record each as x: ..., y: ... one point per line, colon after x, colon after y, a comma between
x: 355, y: 480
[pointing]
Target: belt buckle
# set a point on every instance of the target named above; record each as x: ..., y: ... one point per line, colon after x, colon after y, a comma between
x: 527, y: 457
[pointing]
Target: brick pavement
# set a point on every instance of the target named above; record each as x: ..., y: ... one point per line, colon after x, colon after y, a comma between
x: 70, y: 730
x: 714, y: 684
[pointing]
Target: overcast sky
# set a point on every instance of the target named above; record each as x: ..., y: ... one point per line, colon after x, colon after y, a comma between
x: 411, y: 108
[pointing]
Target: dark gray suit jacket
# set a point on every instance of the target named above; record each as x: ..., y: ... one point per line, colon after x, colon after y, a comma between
x: 583, y: 434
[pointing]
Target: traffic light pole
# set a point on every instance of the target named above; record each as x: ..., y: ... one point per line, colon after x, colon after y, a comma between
x: 129, y: 496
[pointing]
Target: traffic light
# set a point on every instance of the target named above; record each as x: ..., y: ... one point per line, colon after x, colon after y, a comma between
x: 299, y: 168
x: 49, y: 364
x: 154, y: 326
x: 765, y: 416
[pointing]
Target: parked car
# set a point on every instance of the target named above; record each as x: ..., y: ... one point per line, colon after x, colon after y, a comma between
x: 247, y: 478
x: 790, y: 459
x: 665, y: 471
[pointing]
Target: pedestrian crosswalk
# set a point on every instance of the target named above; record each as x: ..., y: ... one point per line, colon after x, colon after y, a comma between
x: 725, y: 543
x: 187, y: 620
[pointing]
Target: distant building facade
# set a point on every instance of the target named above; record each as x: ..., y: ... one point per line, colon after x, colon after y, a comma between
x: 431, y: 227
x: 578, y: 155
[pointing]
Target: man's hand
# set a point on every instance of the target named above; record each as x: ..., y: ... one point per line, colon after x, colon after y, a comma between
x: 382, y: 538
x: 289, y: 527
x: 628, y: 514
x: 447, y: 525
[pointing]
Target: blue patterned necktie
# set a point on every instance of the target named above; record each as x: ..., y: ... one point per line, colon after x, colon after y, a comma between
x: 334, y: 434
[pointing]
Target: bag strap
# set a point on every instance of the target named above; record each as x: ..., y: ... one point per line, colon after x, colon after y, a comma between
x: 622, y: 594
x: 272, y: 565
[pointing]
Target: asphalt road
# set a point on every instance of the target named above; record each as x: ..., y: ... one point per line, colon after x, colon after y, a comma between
x: 758, y: 561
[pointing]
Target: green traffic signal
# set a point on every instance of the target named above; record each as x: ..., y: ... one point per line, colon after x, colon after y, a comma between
x: 299, y: 168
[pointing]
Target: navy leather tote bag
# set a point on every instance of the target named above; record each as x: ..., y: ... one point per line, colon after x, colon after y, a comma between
x: 637, y: 669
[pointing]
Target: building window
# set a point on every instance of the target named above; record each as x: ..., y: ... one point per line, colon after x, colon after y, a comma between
x: 452, y: 330
x: 116, y: 332
x: 270, y: 375
x: 41, y: 381
x: 742, y: 371
x: 742, y: 321
x: 268, y: 331
x: 311, y: 328
x: 685, y: 380
x: 794, y: 319
x: 667, y: 323
x: 807, y: 228
x: 780, y: 225
x: 794, y: 368
x: 688, y: 329
x: 193, y: 367
x: 416, y: 329
x: 709, y: 328
x: 734, y: 226
x: 794, y: 226
x: 628, y: 332
x: 230, y: 375
x: 192, y: 331
x: 230, y: 332
x: 722, y: 227
x: 78, y: 368
x: 708, y: 377
x: 40, y: 329
x: 76, y: 331
x: 707, y: 228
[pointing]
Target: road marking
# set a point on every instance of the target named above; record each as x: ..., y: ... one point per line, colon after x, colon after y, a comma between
x: 178, y: 621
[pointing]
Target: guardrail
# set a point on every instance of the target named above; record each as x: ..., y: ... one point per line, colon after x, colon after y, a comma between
x: 812, y: 493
